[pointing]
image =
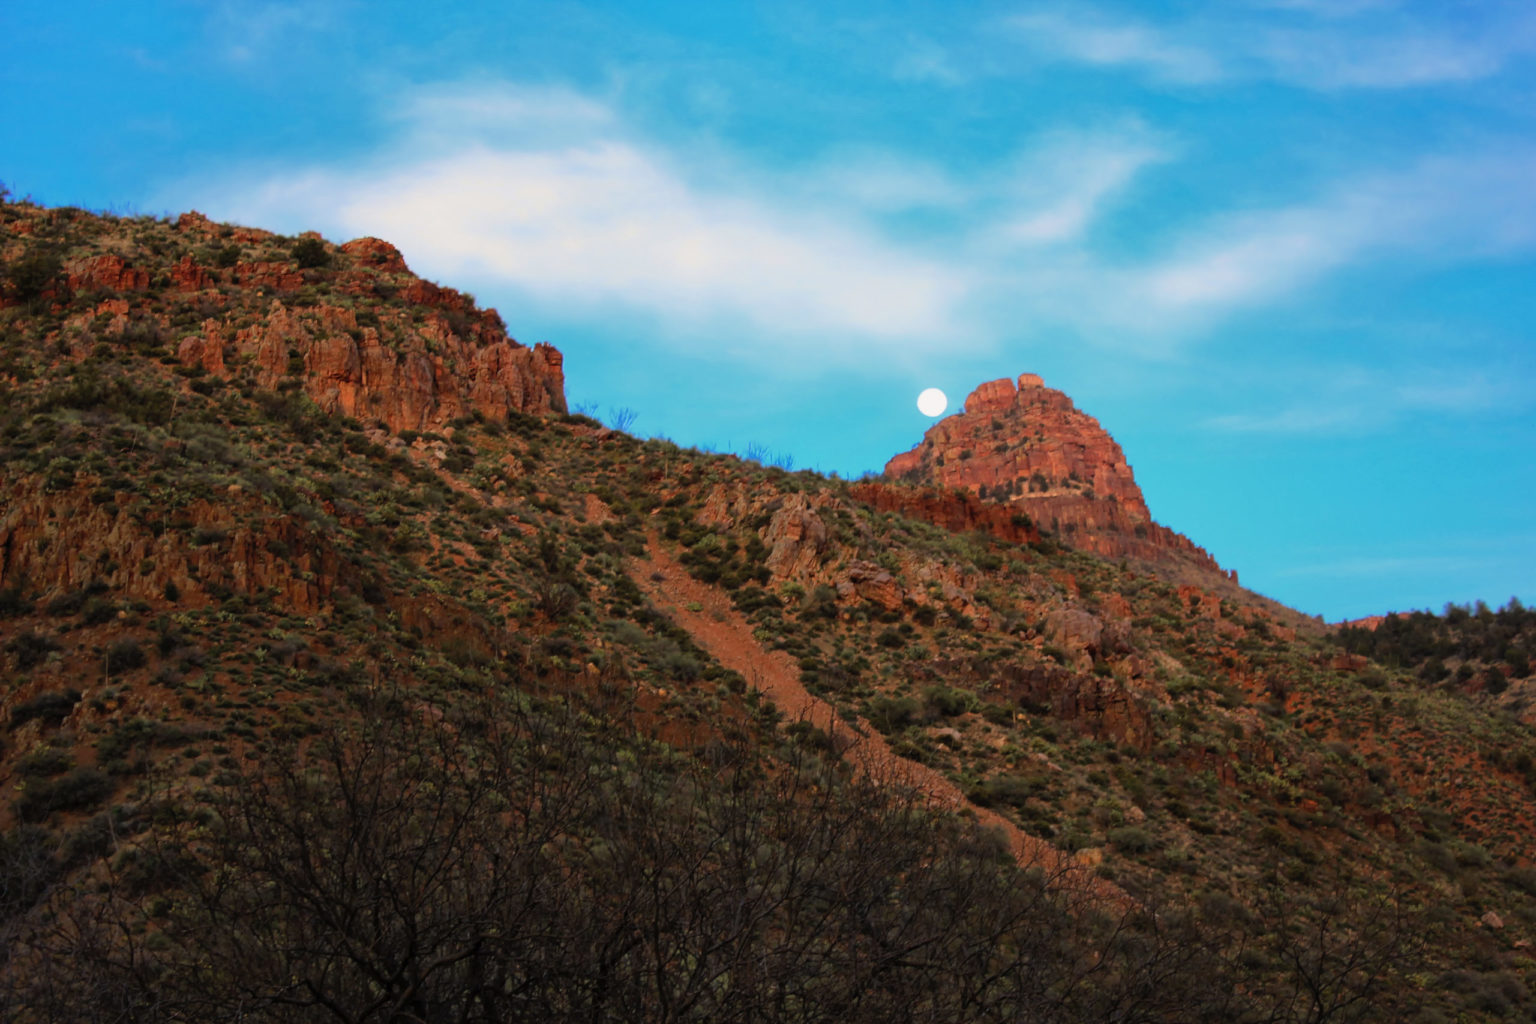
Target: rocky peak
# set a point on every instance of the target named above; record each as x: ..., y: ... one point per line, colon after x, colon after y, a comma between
x: 1026, y: 445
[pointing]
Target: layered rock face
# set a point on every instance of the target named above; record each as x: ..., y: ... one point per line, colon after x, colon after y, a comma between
x: 427, y: 357
x: 1027, y: 446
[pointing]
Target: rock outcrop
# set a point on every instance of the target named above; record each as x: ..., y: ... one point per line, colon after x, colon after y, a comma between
x: 1028, y: 448
x: 426, y: 357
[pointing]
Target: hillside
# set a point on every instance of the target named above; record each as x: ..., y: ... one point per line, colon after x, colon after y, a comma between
x: 1481, y: 652
x: 336, y: 650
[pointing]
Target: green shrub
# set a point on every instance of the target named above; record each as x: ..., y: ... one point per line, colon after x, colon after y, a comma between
x: 13, y: 602
x: 820, y: 603
x: 33, y: 274
x: 97, y: 611
x: 45, y: 763
x: 81, y: 788
x: 124, y: 655
x: 31, y: 648
x: 310, y: 253
x: 941, y: 700
x: 1133, y: 839
x: 27, y: 869
x: 892, y: 714
x: 679, y: 666
x: 49, y: 707
x: 1013, y: 790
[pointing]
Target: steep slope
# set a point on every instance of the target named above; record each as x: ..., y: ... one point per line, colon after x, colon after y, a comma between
x: 208, y: 582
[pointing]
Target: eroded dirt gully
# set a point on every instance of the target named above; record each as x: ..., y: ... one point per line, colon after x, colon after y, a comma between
x: 714, y: 623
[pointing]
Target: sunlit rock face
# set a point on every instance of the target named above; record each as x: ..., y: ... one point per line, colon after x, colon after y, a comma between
x: 1024, y: 444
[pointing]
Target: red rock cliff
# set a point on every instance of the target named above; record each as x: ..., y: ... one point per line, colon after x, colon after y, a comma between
x: 425, y: 356
x: 1028, y: 446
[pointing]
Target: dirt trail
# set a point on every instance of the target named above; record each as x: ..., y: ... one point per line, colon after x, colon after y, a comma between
x: 721, y: 630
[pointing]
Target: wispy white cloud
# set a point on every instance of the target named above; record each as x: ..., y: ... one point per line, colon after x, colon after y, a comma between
x: 1093, y: 38
x: 881, y: 182
x: 1296, y: 420
x: 1346, y: 44
x: 923, y: 61
x: 247, y: 30
x: 1060, y: 187
x: 555, y: 196
x: 500, y: 111
x: 563, y: 205
x: 1328, y: 8
x: 1441, y: 210
x: 1330, y: 59
x: 1361, y: 401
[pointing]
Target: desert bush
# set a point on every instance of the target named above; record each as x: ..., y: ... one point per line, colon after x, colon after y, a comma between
x: 28, y: 867
x: 892, y: 714
x: 1013, y: 790
x: 310, y: 253
x: 49, y: 707
x: 33, y: 274
x: 45, y: 762
x: 30, y: 648
x: 947, y: 702
x: 1133, y: 839
x: 123, y: 655
x: 14, y: 602
x: 81, y: 788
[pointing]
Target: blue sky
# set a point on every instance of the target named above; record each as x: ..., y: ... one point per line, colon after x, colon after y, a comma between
x: 1282, y: 249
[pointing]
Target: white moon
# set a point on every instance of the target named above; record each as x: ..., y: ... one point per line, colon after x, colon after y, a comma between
x: 932, y: 402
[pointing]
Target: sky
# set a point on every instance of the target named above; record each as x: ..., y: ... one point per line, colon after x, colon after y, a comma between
x: 1284, y: 250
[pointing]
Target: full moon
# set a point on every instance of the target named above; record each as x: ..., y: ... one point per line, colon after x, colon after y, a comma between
x: 932, y: 402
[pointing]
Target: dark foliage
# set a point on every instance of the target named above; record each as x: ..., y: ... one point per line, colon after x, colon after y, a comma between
x: 33, y: 274
x: 80, y: 789
x: 50, y: 707
x: 531, y: 863
x: 1422, y: 641
x: 310, y: 253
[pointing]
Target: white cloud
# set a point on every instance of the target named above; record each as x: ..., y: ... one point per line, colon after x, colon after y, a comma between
x: 1361, y: 44
x: 924, y: 61
x: 247, y: 30
x: 494, y: 110
x: 881, y: 182
x: 1360, y: 401
x: 563, y: 206
x: 1332, y: 60
x: 1441, y: 210
x: 543, y: 195
x: 1092, y: 38
x: 1328, y: 8
x: 1057, y: 191
x: 1300, y: 420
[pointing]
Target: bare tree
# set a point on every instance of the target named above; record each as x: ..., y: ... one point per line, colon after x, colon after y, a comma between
x: 525, y: 859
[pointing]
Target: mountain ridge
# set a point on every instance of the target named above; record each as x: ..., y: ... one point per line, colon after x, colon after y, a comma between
x: 213, y: 581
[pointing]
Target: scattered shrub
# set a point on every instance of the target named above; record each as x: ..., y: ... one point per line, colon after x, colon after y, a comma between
x: 81, y: 788
x: 31, y: 648
x: 45, y: 763
x: 124, y: 655
x: 1133, y: 839
x: 47, y: 707
x: 310, y: 253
